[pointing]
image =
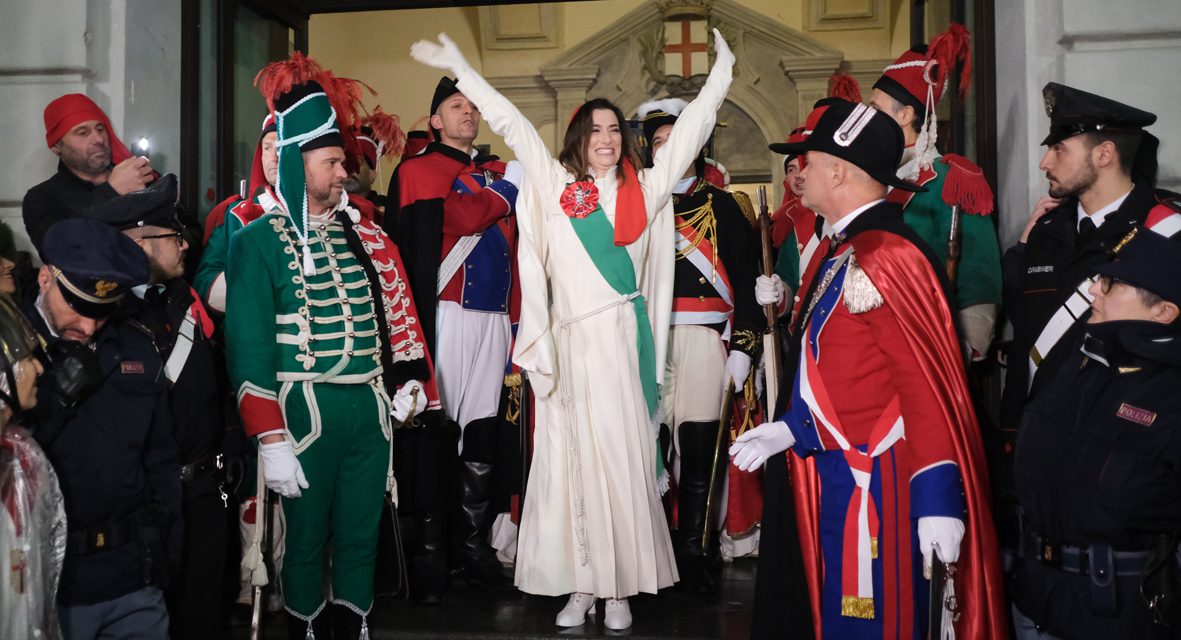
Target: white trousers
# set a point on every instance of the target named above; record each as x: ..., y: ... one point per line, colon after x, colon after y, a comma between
x: 471, y: 351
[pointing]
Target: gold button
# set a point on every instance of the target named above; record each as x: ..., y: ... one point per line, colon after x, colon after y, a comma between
x: 701, y: 298
x: 701, y: 279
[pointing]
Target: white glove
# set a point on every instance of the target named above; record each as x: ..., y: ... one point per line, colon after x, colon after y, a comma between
x: 405, y: 400
x: 752, y: 449
x: 281, y: 469
x: 737, y: 369
x: 770, y: 290
x: 444, y: 55
x: 943, y: 534
x: 722, y: 49
x: 514, y: 173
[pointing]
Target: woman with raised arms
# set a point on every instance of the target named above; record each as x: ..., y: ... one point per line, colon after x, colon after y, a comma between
x: 596, y: 269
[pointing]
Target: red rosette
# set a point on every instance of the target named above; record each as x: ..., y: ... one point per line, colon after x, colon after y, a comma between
x: 580, y: 199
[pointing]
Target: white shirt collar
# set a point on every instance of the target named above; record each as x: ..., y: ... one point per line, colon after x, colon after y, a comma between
x: 141, y: 290
x: 839, y: 226
x: 1099, y: 216
x: 39, y: 305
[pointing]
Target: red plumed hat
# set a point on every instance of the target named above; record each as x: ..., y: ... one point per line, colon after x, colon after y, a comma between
x: 925, y: 69
x: 386, y: 133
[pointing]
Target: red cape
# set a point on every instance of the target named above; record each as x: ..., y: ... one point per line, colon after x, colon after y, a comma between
x: 898, y: 270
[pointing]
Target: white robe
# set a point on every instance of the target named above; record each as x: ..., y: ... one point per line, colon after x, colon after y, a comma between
x: 592, y: 519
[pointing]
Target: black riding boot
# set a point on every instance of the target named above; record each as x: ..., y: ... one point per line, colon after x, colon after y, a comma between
x: 475, y: 559
x: 428, y: 565
x: 696, y: 564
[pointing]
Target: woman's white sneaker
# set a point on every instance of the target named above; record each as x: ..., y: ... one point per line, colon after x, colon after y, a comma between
x: 618, y: 614
x: 578, y: 607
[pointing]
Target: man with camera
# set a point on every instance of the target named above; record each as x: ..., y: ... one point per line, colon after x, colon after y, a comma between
x: 93, y: 165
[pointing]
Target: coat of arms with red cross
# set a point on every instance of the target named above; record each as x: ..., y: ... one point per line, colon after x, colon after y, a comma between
x: 686, y: 50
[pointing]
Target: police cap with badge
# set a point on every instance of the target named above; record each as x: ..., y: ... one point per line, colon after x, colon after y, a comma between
x: 1149, y: 261
x: 862, y: 136
x: 93, y: 264
x: 1073, y: 112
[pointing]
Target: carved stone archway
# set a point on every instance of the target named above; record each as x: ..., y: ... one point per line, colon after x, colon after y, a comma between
x: 779, y: 73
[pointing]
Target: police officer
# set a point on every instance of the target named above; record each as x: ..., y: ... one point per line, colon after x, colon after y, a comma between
x: 102, y: 417
x: 181, y: 329
x: 1097, y: 462
x: 1101, y: 168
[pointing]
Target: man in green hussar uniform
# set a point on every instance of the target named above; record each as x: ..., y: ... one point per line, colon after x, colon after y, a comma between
x: 908, y: 91
x: 324, y: 348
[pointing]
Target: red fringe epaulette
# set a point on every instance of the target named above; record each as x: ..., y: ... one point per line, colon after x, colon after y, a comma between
x: 965, y: 186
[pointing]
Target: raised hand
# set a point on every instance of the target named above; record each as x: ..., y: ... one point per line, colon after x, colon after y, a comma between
x: 443, y: 55
x: 722, y: 49
x: 1044, y: 205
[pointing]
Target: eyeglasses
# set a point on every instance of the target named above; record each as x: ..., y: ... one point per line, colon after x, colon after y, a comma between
x: 180, y: 237
x: 1105, y: 283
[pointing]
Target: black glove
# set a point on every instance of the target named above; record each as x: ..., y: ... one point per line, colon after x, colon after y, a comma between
x: 74, y: 372
x: 233, y: 472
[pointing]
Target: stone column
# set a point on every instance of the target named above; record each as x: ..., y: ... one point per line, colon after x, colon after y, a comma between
x: 570, y: 85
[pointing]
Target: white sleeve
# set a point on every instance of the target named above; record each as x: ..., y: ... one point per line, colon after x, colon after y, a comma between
x: 508, y: 122
x: 690, y: 132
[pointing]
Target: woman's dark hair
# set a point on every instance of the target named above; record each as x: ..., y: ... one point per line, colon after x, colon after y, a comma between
x: 573, y: 155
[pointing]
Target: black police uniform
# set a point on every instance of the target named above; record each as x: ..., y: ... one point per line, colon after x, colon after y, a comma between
x: 1041, y: 274
x: 1044, y: 271
x: 195, y: 601
x: 105, y: 425
x: 119, y: 470
x: 1098, y: 473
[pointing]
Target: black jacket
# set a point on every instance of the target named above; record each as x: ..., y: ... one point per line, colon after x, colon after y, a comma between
x: 1042, y: 273
x: 117, y: 464
x: 738, y: 253
x: 196, y: 415
x: 1098, y: 460
x: 62, y: 196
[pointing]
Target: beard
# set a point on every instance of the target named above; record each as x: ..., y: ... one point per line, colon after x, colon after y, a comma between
x: 324, y: 196
x: 1076, y: 184
x: 93, y: 161
x: 160, y: 273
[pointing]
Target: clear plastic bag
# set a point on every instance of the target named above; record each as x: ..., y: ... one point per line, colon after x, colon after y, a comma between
x: 32, y: 538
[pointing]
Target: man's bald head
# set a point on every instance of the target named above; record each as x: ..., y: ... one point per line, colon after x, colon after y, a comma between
x: 834, y: 187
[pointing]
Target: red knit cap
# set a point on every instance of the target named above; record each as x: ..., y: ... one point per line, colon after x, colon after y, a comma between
x: 72, y: 109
